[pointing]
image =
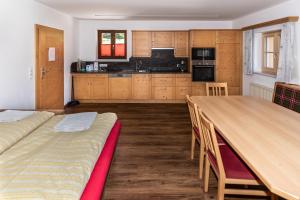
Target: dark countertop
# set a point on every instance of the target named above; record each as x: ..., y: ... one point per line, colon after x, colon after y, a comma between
x: 131, y: 72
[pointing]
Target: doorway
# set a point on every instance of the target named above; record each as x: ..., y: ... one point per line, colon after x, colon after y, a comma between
x: 49, y: 68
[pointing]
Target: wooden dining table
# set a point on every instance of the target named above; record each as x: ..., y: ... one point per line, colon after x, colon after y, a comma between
x: 265, y: 135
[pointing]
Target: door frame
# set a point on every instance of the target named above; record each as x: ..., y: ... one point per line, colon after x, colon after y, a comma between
x: 37, y: 28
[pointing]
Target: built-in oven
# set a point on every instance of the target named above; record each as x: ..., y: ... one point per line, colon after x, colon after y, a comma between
x: 204, y: 73
x: 203, y: 54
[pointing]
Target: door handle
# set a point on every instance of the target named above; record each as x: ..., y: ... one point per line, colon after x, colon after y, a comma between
x: 43, y: 73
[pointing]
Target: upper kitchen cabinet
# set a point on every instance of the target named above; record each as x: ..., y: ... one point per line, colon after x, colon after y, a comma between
x: 228, y: 37
x: 203, y: 38
x: 141, y: 44
x: 181, y: 44
x: 163, y: 39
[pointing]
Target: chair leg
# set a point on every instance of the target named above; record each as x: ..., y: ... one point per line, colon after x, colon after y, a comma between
x: 193, y: 146
x: 201, y: 161
x: 221, y: 188
x: 206, y: 174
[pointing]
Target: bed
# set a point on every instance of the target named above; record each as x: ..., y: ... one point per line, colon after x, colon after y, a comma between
x: 50, y: 165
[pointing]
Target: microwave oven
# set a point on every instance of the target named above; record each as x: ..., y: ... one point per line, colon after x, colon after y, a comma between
x: 203, y: 54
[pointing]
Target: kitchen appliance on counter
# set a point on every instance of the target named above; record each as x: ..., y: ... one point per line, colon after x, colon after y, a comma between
x: 203, y: 64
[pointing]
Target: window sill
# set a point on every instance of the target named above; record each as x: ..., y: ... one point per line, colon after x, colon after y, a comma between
x: 265, y: 74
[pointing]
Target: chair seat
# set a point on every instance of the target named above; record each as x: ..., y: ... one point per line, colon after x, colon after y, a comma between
x: 219, y: 137
x: 234, y: 167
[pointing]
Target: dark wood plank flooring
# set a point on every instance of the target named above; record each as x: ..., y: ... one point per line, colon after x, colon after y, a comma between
x: 152, y: 160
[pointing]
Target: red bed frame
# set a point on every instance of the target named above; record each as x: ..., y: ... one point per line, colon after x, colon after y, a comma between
x: 95, y: 186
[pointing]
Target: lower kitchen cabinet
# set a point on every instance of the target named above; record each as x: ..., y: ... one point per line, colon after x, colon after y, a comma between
x: 163, y: 93
x: 120, y: 88
x: 141, y: 86
x: 181, y: 92
x: 90, y: 87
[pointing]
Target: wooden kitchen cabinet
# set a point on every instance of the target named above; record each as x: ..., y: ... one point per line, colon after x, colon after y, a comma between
x: 228, y: 36
x: 163, y: 39
x: 229, y: 63
x: 141, y: 86
x: 120, y: 88
x: 181, y: 48
x: 90, y: 87
x: 163, y: 93
x: 141, y: 43
x: 99, y: 87
x: 81, y: 87
x: 203, y: 38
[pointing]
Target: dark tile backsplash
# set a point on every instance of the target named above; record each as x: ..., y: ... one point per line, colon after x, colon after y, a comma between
x: 162, y: 60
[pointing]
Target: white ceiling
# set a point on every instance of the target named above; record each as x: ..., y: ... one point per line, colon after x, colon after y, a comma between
x: 160, y: 9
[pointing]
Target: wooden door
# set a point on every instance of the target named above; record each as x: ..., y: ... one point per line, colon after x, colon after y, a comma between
x: 141, y: 86
x: 181, y: 44
x: 141, y: 44
x: 82, y: 88
x: 120, y: 88
x: 203, y: 38
x: 99, y: 87
x: 49, y: 68
x: 163, y: 39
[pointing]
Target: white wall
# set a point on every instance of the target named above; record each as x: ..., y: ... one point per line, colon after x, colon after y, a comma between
x: 88, y: 31
x: 17, y: 50
x: 289, y: 8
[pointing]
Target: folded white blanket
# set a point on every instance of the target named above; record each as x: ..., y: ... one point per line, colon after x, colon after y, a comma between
x: 14, y: 115
x: 76, y: 122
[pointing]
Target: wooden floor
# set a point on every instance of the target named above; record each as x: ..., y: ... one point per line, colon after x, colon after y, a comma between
x: 152, y: 160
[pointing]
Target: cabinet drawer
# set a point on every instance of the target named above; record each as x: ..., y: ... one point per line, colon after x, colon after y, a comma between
x: 181, y: 92
x: 161, y: 93
x: 183, y: 82
x: 158, y: 82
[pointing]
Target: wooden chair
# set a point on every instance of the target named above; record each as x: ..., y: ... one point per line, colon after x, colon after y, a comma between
x: 228, y: 167
x: 217, y: 89
x: 287, y: 95
x: 196, y: 134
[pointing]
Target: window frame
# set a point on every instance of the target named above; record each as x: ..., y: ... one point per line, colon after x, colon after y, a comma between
x: 264, y: 68
x: 113, y: 37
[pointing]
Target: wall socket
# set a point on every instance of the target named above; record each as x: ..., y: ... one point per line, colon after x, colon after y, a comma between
x: 30, y: 73
x: 103, y: 65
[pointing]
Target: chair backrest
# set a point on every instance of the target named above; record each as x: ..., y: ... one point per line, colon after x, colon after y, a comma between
x: 193, y: 109
x: 287, y: 95
x: 216, y: 89
x: 212, y: 147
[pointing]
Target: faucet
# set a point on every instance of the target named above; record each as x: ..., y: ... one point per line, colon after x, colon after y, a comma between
x: 138, y: 64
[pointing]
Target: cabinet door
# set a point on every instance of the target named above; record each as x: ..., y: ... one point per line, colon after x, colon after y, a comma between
x: 228, y: 67
x: 141, y: 86
x: 81, y: 87
x: 181, y: 44
x: 163, y: 39
x: 141, y: 44
x: 203, y: 38
x: 230, y: 36
x: 163, y: 93
x: 99, y: 87
x: 181, y: 92
x: 120, y: 88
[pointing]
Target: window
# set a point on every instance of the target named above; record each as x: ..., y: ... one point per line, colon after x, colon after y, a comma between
x: 112, y: 44
x: 270, y: 50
